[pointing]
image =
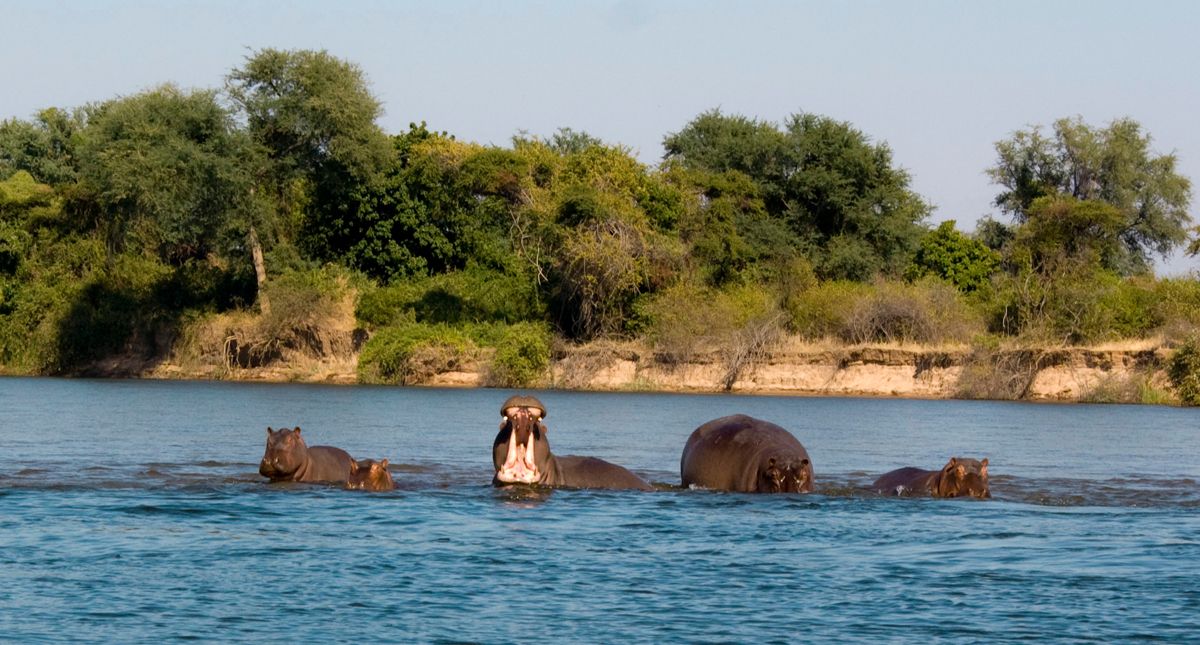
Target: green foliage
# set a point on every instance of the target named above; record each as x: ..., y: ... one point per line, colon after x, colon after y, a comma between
x: 315, y: 117
x: 1113, y: 165
x: 522, y: 356
x: 1063, y: 230
x: 948, y: 254
x: 833, y: 188
x: 822, y: 310
x: 410, y: 354
x: 310, y: 110
x: 927, y: 311
x: 45, y: 148
x: 600, y: 270
x: 1184, y: 371
x: 685, y: 318
x: 472, y: 295
x: 166, y: 170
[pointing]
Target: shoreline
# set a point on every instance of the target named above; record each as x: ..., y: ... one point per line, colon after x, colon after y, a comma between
x: 1117, y: 374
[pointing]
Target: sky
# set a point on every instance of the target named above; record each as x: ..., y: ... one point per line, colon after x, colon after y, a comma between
x: 938, y: 81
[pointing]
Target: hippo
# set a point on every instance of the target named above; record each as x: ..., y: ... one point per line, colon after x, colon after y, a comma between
x: 288, y: 459
x: 521, y: 455
x: 747, y: 455
x: 368, y: 474
x: 959, y: 477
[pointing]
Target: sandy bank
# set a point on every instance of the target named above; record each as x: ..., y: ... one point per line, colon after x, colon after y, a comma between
x: 794, y: 367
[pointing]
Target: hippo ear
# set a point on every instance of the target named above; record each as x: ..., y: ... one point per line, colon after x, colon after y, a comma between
x: 270, y: 431
x: 384, y: 463
x: 297, y: 430
x: 771, y: 463
x: 353, y: 466
x: 983, y: 467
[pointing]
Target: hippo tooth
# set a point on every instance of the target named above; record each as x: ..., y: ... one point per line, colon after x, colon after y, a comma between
x: 511, y: 459
x: 529, y: 453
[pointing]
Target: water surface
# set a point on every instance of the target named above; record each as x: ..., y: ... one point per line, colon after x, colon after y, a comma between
x: 132, y: 511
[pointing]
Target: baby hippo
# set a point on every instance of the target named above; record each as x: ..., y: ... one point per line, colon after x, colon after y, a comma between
x: 289, y: 459
x: 368, y: 474
x: 958, y: 478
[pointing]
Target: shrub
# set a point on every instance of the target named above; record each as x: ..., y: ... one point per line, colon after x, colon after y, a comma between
x: 997, y: 374
x: 1184, y: 371
x: 960, y: 260
x: 412, y: 354
x: 687, y: 318
x: 822, y: 310
x: 472, y: 295
x: 522, y: 356
x: 929, y: 311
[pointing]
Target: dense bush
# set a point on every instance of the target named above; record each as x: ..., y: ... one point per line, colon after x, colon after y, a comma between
x: 522, y: 356
x: 686, y: 319
x: 929, y: 311
x: 473, y: 295
x: 1184, y: 371
x: 411, y: 354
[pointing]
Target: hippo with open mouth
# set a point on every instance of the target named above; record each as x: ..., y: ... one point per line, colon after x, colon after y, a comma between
x: 289, y: 459
x: 958, y: 478
x: 368, y: 474
x: 743, y: 454
x: 521, y: 455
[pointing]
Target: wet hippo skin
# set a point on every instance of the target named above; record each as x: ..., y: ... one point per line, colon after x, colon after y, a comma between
x: 368, y: 474
x: 744, y: 454
x: 288, y: 458
x: 958, y: 478
x: 521, y: 455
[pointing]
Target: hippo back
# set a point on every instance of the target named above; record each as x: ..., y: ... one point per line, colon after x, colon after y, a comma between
x: 731, y: 453
x: 590, y: 472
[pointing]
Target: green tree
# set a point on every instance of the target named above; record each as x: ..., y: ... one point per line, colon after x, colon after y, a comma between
x: 45, y: 148
x: 315, y: 116
x: 165, y: 171
x: 839, y: 193
x: 944, y: 252
x: 1114, y: 165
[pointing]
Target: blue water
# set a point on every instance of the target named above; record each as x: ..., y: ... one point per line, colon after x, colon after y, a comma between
x: 132, y: 512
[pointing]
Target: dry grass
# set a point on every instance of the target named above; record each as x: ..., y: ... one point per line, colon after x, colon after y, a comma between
x: 304, y: 333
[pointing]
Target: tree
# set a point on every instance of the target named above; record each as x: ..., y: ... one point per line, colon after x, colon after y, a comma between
x: 44, y: 148
x: 315, y: 116
x: 167, y: 170
x: 1113, y: 165
x: 839, y: 194
x: 966, y: 263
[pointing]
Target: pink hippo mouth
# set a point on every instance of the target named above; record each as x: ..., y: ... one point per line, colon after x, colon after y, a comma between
x: 519, y: 467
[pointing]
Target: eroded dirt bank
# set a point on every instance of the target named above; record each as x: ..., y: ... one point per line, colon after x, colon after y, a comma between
x: 792, y: 367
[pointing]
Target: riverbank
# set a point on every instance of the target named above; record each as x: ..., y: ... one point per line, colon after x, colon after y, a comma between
x: 1126, y: 372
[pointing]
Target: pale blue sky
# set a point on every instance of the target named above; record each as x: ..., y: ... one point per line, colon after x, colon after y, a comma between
x: 939, y: 81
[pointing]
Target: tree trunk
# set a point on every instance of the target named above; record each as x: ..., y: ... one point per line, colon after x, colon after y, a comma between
x: 260, y: 272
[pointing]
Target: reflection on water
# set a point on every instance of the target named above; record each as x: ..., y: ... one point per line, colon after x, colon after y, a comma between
x: 133, y: 512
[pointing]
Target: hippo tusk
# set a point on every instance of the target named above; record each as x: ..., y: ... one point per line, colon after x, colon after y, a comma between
x: 511, y: 459
x: 529, y: 454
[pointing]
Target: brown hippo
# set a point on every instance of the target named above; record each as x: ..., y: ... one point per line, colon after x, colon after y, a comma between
x: 521, y: 455
x: 957, y: 478
x: 748, y: 455
x: 288, y: 459
x: 368, y: 474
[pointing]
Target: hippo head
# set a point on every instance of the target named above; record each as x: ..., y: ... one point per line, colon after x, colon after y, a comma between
x: 960, y: 477
x: 785, y: 476
x: 286, y: 452
x: 521, y: 451
x: 368, y: 474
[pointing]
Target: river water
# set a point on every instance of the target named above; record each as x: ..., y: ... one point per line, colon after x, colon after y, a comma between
x: 132, y: 511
